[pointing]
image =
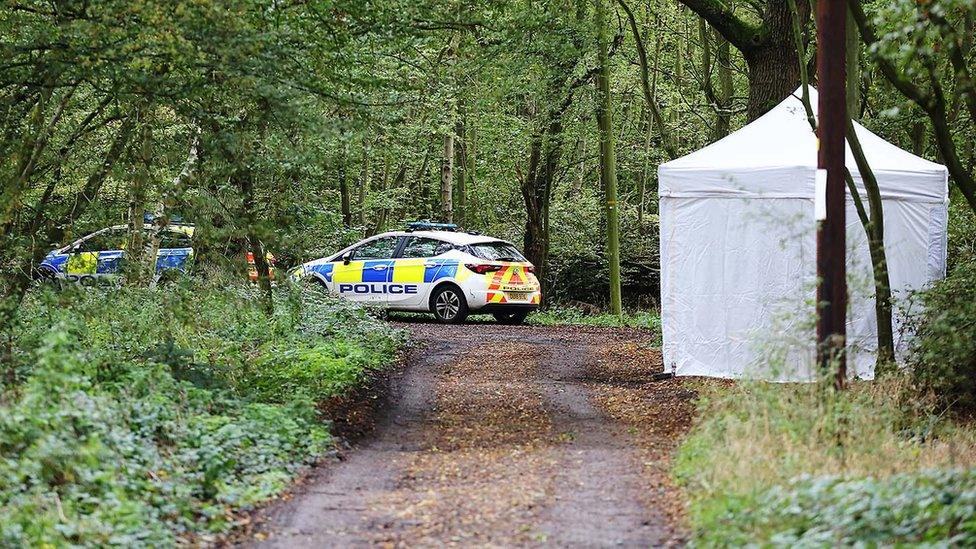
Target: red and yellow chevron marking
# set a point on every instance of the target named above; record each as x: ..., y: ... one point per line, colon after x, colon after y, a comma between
x: 512, y: 278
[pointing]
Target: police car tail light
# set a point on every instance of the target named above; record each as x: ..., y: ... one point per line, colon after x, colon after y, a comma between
x: 483, y: 268
x: 529, y: 268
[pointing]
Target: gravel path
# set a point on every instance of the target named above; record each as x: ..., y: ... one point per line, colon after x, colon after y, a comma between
x: 502, y: 436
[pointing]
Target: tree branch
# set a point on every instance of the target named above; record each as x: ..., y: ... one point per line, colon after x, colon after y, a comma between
x: 741, y: 34
x: 645, y: 84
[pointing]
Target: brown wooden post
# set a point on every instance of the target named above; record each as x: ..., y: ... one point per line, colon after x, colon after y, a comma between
x: 831, y: 245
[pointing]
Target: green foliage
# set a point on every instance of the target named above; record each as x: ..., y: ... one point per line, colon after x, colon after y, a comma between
x: 741, y: 463
x: 140, y: 420
x: 555, y: 316
x: 579, y: 270
x: 944, y: 348
x: 962, y: 234
x: 931, y: 507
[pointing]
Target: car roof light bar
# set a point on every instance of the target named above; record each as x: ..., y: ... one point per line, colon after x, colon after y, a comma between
x: 430, y: 226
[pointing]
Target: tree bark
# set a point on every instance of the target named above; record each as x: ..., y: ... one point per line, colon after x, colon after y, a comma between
x: 418, y: 192
x: 768, y: 48
x: 447, y: 180
x: 363, y: 187
x: 461, y: 167
x: 168, y: 200
x: 136, y: 268
x: 608, y: 160
x: 773, y: 76
x: 344, y: 202
x: 545, y: 150
x: 726, y: 88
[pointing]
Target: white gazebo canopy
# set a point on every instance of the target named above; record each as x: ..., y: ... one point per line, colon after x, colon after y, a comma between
x: 738, y: 248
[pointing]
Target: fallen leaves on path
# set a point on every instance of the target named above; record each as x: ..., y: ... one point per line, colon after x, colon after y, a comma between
x: 490, y: 432
x: 658, y: 414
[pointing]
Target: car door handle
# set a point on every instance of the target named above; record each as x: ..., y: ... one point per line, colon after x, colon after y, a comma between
x: 379, y: 268
x: 430, y: 265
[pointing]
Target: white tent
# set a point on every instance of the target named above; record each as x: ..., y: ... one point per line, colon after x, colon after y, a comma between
x: 738, y: 248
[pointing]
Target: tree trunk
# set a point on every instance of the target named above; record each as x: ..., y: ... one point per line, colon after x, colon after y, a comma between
x: 545, y: 150
x: 363, y: 187
x: 768, y: 47
x: 245, y: 182
x: 726, y: 88
x: 918, y: 138
x: 418, y: 192
x: 608, y: 160
x: 344, y: 204
x: 447, y: 180
x: 773, y: 75
x: 461, y: 167
x: 167, y: 201
x: 137, y: 264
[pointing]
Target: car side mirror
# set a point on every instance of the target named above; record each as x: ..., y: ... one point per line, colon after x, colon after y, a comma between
x: 346, y: 258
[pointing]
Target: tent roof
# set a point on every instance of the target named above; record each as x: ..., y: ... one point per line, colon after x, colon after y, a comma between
x: 776, y: 157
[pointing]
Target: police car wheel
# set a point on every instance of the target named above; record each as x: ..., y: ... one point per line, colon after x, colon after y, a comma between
x: 511, y: 317
x: 449, y: 306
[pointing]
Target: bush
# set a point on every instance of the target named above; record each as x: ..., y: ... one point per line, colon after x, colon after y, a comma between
x: 578, y: 269
x: 932, y: 507
x: 141, y: 461
x: 944, y: 349
x: 137, y: 417
x: 755, y: 439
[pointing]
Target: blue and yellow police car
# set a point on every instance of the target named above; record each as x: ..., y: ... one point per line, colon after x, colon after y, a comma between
x: 432, y: 267
x: 99, y: 255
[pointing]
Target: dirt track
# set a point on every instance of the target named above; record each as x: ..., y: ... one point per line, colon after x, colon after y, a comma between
x: 498, y: 435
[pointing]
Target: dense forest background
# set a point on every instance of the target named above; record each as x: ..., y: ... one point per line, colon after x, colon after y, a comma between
x: 304, y: 126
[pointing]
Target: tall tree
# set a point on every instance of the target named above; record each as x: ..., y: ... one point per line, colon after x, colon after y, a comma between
x: 762, y: 31
x: 608, y: 158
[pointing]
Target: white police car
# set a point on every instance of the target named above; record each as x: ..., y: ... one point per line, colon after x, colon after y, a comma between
x: 435, y: 268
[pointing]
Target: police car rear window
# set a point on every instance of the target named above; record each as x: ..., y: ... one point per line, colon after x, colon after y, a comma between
x: 497, y: 251
x: 424, y: 247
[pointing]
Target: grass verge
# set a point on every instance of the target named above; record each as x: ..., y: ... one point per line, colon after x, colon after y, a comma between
x: 555, y: 315
x: 799, y: 465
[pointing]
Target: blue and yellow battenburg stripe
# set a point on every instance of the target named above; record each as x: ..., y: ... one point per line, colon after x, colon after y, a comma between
x: 110, y: 261
x: 407, y: 271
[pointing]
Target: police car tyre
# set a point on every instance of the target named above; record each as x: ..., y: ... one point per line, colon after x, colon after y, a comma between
x: 448, y: 305
x: 511, y: 317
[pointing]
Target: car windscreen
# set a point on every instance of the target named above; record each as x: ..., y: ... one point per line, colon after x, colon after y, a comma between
x: 496, y: 251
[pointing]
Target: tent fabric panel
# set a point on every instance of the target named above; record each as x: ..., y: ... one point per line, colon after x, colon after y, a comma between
x: 794, y: 182
x: 726, y: 262
x: 738, y: 284
x: 764, y: 158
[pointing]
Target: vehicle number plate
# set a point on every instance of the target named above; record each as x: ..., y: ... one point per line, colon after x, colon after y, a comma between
x: 517, y: 289
x: 517, y: 296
